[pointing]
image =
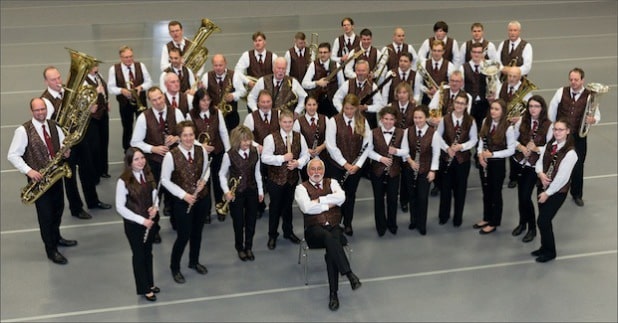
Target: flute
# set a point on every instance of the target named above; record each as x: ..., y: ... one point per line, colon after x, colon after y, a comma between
x: 197, y: 191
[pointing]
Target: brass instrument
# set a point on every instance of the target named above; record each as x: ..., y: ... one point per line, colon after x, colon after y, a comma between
x: 333, y: 74
x: 313, y: 47
x: 517, y: 105
x: 384, y: 59
x: 223, y: 106
x: 135, y: 100
x: 204, y: 138
x: 596, y: 89
x: 360, y: 153
x: 491, y: 70
x: 195, y: 56
x: 223, y: 207
x: 290, y: 104
x: 427, y: 79
x: 73, y: 117
x: 443, y: 99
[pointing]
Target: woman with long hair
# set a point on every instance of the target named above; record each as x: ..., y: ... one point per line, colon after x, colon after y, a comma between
x: 312, y: 125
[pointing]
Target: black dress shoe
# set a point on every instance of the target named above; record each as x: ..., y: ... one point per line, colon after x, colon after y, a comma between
x: 242, y: 255
x: 348, y: 231
x: 545, y: 258
x: 333, y: 301
x: 512, y: 184
x: 537, y: 252
x: 456, y: 225
x: 480, y: 226
x: 442, y: 221
x: 393, y: 230
x: 434, y: 191
x: 259, y: 214
x: 518, y: 230
x: 483, y: 231
x: 207, y: 219
x: 67, y: 243
x: 250, y: 255
x: 101, y: 205
x: 106, y: 175
x: 293, y: 238
x: 157, y: 238
x: 83, y: 215
x: 578, y: 201
x: 404, y: 207
x: 422, y: 231
x: 57, y: 258
x: 529, y: 235
x: 155, y: 289
x: 201, y: 269
x: 178, y: 278
x: 151, y: 298
x: 272, y: 243
x: 221, y: 216
x: 354, y: 281
x: 411, y: 226
x: 381, y: 233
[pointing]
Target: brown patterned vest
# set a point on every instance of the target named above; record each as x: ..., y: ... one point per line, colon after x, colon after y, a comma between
x: 372, y: 59
x: 342, y: 44
x: 258, y: 70
x: 154, y: 135
x: 36, y: 154
x: 393, y: 57
x: 450, y: 134
x: 239, y: 166
x: 349, y: 144
x: 448, y: 49
x: 332, y: 216
x: 310, y: 134
x: 406, y: 119
x: 540, y: 138
x: 381, y: 147
x: 171, y: 45
x: 474, y: 83
x: 139, y: 198
x: 210, y: 126
x: 321, y: 72
x: 282, y: 97
x: 187, y: 174
x: 469, y: 49
x: 261, y: 129
x: 183, y: 104
x: 547, y: 159
x: 57, y: 103
x: 426, y: 151
x: 441, y: 75
x: 102, y: 101
x: 122, y: 83
x: 281, y: 174
x: 506, y: 57
x: 572, y: 110
x: 504, y: 93
x: 361, y: 92
x: 298, y: 66
x: 185, y: 84
x: 410, y: 75
x: 216, y: 91
x: 493, y: 145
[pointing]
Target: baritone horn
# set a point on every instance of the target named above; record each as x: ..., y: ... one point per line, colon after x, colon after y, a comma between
x: 491, y: 70
x: 517, y: 105
x: 223, y: 207
x: 195, y: 56
x: 592, y: 104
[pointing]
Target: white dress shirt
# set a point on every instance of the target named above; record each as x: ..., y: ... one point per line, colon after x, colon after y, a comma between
x: 335, y: 152
x: 268, y: 152
x: 48, y: 104
x: 435, y: 101
x: 419, y: 86
x: 564, y: 171
x: 308, y: 83
x: 20, y: 143
x: 139, y: 131
x: 167, y: 167
x: 121, y: 200
x: 322, y: 204
x: 425, y: 51
x: 473, y: 136
x: 383, y: 59
x: 225, y: 170
x: 336, y: 46
x: 225, y: 138
x: 244, y: 62
x: 552, y: 111
x: 516, y: 128
x: 435, y: 147
x: 113, y: 89
x: 296, y: 88
x: 491, y: 51
x: 511, y: 143
x: 343, y: 91
x: 237, y: 82
x: 175, y: 71
x: 526, y: 55
x: 403, y: 151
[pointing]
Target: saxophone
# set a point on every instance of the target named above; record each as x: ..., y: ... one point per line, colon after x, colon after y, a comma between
x: 73, y: 117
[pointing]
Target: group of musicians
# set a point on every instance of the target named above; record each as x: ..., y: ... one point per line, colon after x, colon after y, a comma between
x: 319, y: 119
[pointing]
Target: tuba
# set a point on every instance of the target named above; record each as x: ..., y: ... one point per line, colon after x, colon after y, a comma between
x: 195, y: 56
x: 73, y: 117
x: 491, y: 70
x: 596, y: 89
x: 517, y: 105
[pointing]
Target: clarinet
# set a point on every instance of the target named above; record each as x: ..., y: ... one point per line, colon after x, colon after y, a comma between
x: 368, y: 97
x: 550, y: 169
x: 485, y: 168
x: 388, y: 168
x: 155, y: 203
x: 532, y: 137
x: 455, y: 142
x: 417, y: 159
x: 316, y: 135
x: 345, y: 176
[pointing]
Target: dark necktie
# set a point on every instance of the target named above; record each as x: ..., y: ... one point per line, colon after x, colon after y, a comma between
x: 511, y: 90
x: 179, y: 72
x: 318, y: 186
x: 174, y: 103
x: 189, y: 157
x: 266, y: 119
x: 48, y: 143
x: 403, y: 76
x: 493, y: 130
x: 313, y: 125
x: 205, y: 118
x: 60, y: 95
x: 220, y: 80
x: 161, y: 122
x: 398, y: 49
x: 349, y: 45
x: 435, y: 68
x: 245, y: 154
x: 131, y: 76
x: 554, y: 149
x: 260, y: 59
x: 141, y: 179
x: 512, y: 47
x: 573, y: 95
x: 457, y: 126
x: 387, y: 132
x: 300, y: 53
x: 350, y: 127
x: 476, y: 68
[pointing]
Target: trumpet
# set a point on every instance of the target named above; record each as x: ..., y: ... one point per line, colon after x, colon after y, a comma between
x: 223, y: 207
x: 596, y: 89
x: 135, y: 101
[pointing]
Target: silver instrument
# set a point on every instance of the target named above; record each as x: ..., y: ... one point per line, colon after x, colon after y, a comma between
x: 596, y: 89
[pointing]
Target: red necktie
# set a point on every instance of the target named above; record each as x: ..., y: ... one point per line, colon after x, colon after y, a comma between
x: 48, y: 143
x: 457, y: 126
x: 205, y: 118
x: 313, y: 123
x: 174, y: 104
x: 554, y: 149
x: 535, y: 124
x: 318, y: 186
x: 141, y: 179
x: 180, y: 73
x: 493, y: 130
x: 189, y: 157
x: 350, y: 127
x: 511, y: 90
x: 349, y: 45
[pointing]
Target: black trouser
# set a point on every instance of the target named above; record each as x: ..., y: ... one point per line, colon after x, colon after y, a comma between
x: 419, y: 196
x: 155, y: 168
x: 142, y: 256
x: 49, y: 209
x: 101, y: 158
x: 81, y: 155
x: 547, y: 212
x: 492, y: 191
x: 189, y: 230
x: 349, y: 187
x: 128, y: 114
x: 479, y: 112
x: 404, y: 187
x: 215, y: 166
x: 372, y: 119
x: 326, y: 107
x: 244, y: 212
x: 525, y: 186
x: 577, y: 176
x: 281, y: 199
x: 331, y: 238
x: 380, y: 189
x: 514, y: 169
x: 454, y: 185
x: 232, y: 119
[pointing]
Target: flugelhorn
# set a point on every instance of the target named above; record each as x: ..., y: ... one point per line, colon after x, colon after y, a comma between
x: 135, y: 100
x: 429, y: 81
x: 223, y: 207
x: 596, y: 89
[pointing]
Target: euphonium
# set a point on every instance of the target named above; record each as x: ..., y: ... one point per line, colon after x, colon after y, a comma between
x: 223, y: 106
x: 223, y: 207
x: 135, y: 101
x: 195, y: 56
x: 596, y: 89
x: 429, y: 81
x: 517, y: 105
x: 313, y: 47
x: 491, y: 70
x: 73, y: 117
